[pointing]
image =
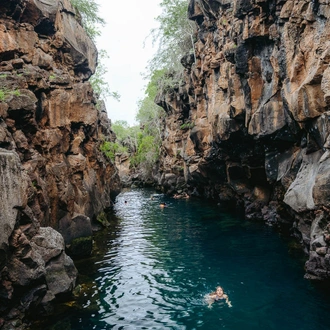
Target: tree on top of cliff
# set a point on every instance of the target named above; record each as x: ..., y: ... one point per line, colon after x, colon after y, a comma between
x: 174, y: 36
x: 90, y: 19
x: 88, y: 10
x: 100, y: 86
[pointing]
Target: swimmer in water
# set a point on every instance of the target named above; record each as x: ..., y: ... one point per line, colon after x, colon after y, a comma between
x: 217, y: 295
x: 162, y: 205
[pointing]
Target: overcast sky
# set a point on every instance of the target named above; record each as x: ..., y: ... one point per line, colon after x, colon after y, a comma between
x: 128, y: 23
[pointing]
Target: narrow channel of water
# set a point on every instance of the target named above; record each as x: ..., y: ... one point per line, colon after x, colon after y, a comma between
x: 160, y: 263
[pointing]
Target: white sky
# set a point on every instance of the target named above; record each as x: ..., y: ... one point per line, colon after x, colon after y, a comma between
x: 128, y: 23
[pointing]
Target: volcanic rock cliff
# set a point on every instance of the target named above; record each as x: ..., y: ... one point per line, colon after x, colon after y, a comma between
x: 250, y: 124
x: 53, y: 178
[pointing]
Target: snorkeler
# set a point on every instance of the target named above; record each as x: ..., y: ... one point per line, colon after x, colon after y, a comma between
x: 217, y: 295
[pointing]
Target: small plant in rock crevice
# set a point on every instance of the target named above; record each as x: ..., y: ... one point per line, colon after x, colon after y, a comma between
x: 4, y: 93
x: 187, y: 126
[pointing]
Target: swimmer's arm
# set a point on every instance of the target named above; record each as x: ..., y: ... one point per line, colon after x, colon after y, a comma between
x: 210, y: 298
x: 227, y: 300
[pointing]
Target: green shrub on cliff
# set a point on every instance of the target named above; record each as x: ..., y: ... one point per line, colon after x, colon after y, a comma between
x: 110, y: 149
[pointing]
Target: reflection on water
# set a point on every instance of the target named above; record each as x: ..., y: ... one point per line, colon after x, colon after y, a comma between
x: 158, y: 265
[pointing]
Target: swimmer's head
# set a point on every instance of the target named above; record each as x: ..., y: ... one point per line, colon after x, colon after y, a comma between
x: 219, y: 290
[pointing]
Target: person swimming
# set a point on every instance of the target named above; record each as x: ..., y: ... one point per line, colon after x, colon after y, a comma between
x: 217, y: 295
x: 162, y: 204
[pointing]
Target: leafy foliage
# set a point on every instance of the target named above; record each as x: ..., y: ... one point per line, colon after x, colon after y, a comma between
x: 146, y: 155
x: 110, y: 149
x: 90, y: 19
x: 175, y: 39
x: 100, y: 85
x: 88, y: 10
x: 150, y: 117
x: 126, y: 135
x: 142, y: 142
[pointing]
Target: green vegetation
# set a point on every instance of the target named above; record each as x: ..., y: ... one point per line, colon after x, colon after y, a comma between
x: 16, y: 92
x: 110, y: 149
x: 174, y: 36
x: 102, y: 219
x: 175, y: 39
x: 139, y: 142
x: 142, y: 142
x: 4, y: 93
x: 100, y: 86
x: 81, y: 246
x: 126, y: 136
x: 187, y: 126
x: 88, y: 11
x: 151, y: 118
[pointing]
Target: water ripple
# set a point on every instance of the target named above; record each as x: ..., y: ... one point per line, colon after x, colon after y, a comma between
x: 161, y: 263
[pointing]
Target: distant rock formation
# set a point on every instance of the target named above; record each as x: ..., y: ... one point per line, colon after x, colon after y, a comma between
x: 53, y: 178
x: 249, y: 126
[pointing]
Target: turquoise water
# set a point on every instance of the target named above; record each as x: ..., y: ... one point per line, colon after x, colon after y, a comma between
x: 159, y: 264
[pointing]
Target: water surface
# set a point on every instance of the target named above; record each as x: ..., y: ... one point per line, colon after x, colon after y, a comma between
x: 160, y: 263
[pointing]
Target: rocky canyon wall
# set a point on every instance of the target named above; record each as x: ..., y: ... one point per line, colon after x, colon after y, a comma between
x: 249, y: 126
x: 54, y: 181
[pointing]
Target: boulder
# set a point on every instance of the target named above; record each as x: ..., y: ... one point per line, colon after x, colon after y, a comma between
x: 13, y: 186
x: 77, y: 233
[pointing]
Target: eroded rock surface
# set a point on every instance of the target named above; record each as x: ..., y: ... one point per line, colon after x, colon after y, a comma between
x: 249, y: 126
x: 54, y: 180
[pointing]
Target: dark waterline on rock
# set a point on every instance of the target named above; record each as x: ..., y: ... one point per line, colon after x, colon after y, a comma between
x: 158, y: 264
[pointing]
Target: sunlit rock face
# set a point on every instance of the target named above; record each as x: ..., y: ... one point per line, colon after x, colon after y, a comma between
x: 249, y: 126
x: 54, y: 181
